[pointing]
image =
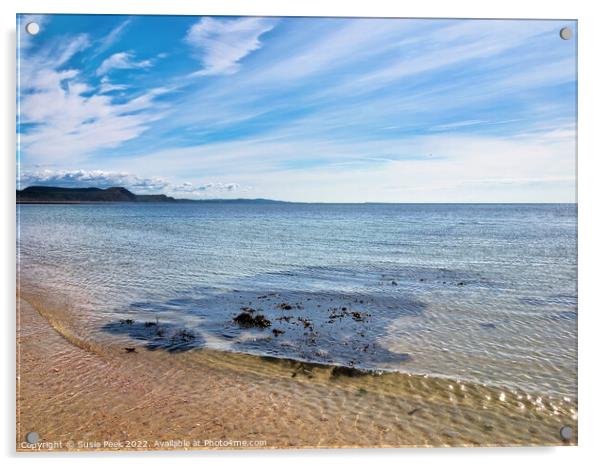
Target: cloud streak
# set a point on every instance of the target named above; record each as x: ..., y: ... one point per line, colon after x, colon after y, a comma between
x: 122, y: 61
x: 112, y: 37
x: 222, y: 43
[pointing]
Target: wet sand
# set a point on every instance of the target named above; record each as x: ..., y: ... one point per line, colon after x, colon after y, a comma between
x: 79, y: 396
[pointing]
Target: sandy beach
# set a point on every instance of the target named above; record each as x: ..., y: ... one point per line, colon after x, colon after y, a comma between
x: 79, y: 396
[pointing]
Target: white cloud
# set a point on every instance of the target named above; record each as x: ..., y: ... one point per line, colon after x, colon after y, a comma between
x: 40, y: 71
x: 121, y: 61
x: 218, y: 187
x: 222, y: 43
x: 90, y: 178
x: 70, y: 125
x: 68, y: 122
x: 207, y: 190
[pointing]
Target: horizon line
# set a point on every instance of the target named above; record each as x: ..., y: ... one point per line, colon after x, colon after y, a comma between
x: 218, y: 199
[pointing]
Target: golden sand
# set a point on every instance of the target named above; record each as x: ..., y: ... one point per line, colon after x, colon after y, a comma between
x: 79, y: 395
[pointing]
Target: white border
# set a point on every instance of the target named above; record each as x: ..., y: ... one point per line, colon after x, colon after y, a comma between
x: 590, y: 234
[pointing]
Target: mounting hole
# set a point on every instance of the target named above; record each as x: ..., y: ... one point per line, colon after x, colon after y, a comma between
x: 32, y: 437
x: 32, y: 28
x: 566, y: 433
x: 566, y: 34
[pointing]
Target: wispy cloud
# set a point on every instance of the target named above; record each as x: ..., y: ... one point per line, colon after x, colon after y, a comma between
x: 121, y: 61
x: 107, y: 86
x: 458, y: 43
x: 222, y: 43
x: 49, y: 58
x: 70, y: 125
x: 106, y: 42
x: 219, y: 187
x: 457, y: 124
x: 425, y: 168
x: 66, y: 119
x: 352, y: 41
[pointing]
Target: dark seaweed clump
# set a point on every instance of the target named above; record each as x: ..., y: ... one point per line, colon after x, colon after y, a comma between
x: 247, y: 319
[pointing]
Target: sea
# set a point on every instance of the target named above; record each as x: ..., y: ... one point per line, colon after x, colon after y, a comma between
x: 483, y: 293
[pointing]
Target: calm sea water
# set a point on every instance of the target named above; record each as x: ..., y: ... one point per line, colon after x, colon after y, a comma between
x: 486, y: 293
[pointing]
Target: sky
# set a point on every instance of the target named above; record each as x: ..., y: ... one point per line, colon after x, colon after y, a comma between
x: 299, y: 109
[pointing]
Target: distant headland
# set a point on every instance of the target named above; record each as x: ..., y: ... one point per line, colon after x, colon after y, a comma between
x: 58, y: 195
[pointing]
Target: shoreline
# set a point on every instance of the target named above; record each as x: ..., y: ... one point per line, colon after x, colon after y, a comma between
x: 70, y: 392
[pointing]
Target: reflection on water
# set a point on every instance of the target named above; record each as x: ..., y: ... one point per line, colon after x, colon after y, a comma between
x: 480, y: 293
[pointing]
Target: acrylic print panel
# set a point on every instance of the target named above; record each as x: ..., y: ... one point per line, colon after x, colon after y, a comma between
x: 248, y: 232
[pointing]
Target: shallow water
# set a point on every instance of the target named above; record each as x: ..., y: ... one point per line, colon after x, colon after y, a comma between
x: 480, y: 293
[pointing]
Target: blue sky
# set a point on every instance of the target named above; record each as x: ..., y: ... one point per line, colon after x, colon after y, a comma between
x: 302, y: 109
